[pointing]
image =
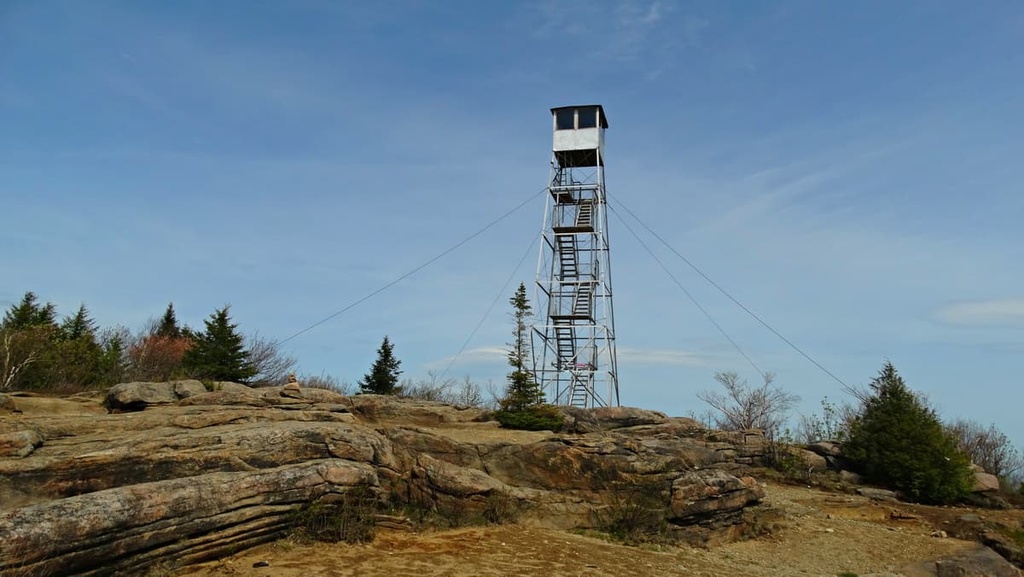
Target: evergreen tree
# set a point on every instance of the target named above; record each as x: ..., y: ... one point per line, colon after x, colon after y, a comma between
x: 113, y: 363
x: 383, y: 376
x: 29, y: 313
x: 77, y: 354
x: 523, y: 390
x: 168, y: 326
x: 523, y: 406
x: 219, y: 352
x: 28, y: 339
x: 898, y: 442
x: 79, y: 326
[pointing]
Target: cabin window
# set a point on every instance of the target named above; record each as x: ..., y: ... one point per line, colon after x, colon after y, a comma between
x: 564, y: 119
x: 588, y: 117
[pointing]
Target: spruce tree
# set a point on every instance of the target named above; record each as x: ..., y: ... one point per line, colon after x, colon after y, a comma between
x: 29, y: 314
x: 523, y: 390
x: 219, y: 352
x: 383, y: 376
x: 523, y: 405
x: 898, y: 442
x: 77, y: 354
x: 79, y: 326
x: 168, y: 326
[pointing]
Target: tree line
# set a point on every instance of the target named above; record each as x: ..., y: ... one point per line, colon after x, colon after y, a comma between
x: 39, y: 351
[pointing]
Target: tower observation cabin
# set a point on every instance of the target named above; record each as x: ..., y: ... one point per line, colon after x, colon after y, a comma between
x: 574, y: 329
x: 579, y: 135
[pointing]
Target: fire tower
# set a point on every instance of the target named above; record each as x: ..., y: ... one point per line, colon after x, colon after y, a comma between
x: 574, y: 329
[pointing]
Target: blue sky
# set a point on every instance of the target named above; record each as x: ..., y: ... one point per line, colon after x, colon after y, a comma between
x: 849, y: 171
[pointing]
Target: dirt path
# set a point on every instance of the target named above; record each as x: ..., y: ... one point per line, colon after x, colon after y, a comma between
x: 822, y: 534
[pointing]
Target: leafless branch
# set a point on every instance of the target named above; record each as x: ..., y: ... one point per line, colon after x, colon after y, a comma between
x: 743, y: 407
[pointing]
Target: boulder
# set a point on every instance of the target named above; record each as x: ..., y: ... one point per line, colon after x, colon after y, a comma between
x: 137, y: 396
x: 984, y: 482
x: 850, y: 477
x: 19, y: 443
x: 826, y: 449
x: 977, y: 561
x: 877, y: 494
x: 699, y: 495
x: 579, y: 420
x: 1010, y: 549
x: 811, y: 461
x: 7, y: 403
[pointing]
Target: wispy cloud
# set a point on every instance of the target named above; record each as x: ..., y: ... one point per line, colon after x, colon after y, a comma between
x: 661, y: 357
x: 983, y: 313
x: 642, y: 33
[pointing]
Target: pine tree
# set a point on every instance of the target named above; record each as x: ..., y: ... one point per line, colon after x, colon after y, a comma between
x: 219, y: 352
x: 898, y: 442
x: 523, y: 406
x: 168, y: 326
x: 383, y: 376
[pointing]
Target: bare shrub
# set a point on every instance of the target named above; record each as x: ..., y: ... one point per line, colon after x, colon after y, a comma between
x: 272, y: 366
x: 327, y: 382
x: 350, y: 520
x: 468, y: 394
x: 634, y: 508
x: 501, y: 508
x: 833, y: 424
x: 449, y: 391
x: 430, y: 389
x: 990, y: 448
x: 156, y: 355
x: 744, y: 407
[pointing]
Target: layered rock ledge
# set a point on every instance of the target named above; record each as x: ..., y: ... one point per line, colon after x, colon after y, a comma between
x: 176, y: 472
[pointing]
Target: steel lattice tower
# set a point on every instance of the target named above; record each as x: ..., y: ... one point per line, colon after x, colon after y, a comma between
x: 573, y: 334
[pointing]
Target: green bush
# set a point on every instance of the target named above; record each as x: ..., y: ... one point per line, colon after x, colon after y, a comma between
x: 898, y: 442
x: 530, y: 418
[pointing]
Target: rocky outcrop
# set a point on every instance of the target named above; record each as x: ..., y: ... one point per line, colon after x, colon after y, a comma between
x: 702, y: 495
x: 582, y: 421
x: 138, y: 396
x: 188, y: 519
x: 195, y: 473
x: 19, y: 443
x: 1009, y: 549
x: 6, y: 403
x: 386, y: 407
x: 976, y: 562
